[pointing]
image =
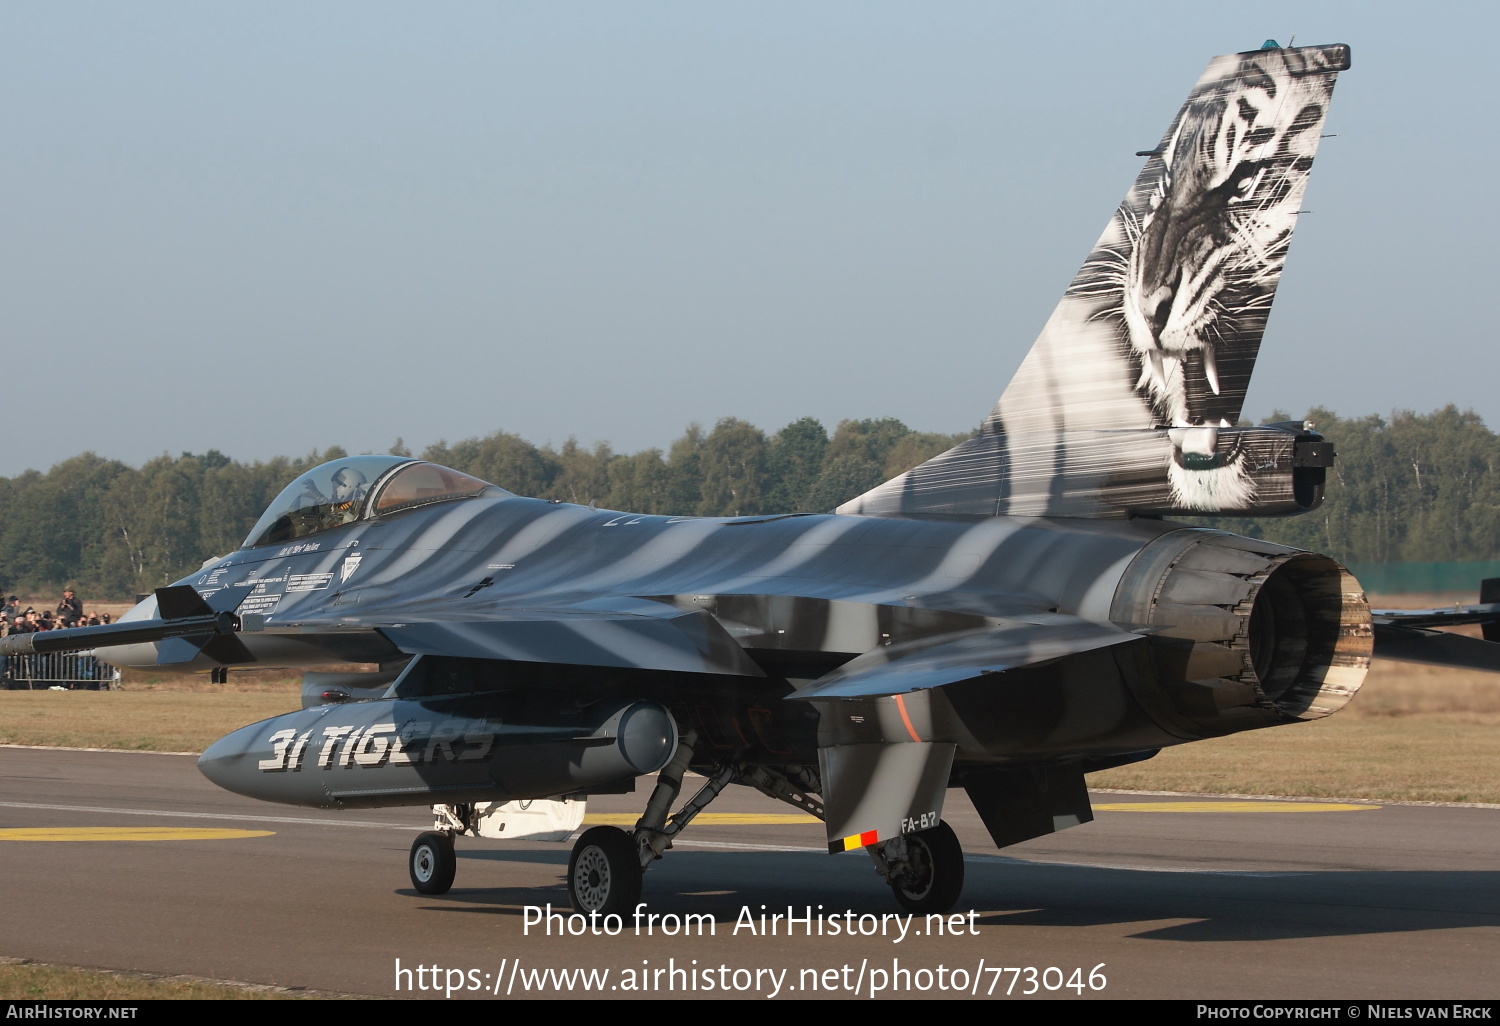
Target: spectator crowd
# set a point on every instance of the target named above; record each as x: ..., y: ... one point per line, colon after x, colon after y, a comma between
x: 69, y: 613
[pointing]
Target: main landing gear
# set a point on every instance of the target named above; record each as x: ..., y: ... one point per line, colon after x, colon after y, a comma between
x: 604, y: 872
x: 925, y: 870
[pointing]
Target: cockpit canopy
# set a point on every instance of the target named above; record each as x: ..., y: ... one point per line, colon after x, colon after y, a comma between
x: 355, y: 488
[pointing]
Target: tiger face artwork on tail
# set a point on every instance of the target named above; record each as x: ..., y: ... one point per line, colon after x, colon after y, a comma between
x: 1128, y: 401
x: 1187, y: 270
x: 1210, y: 247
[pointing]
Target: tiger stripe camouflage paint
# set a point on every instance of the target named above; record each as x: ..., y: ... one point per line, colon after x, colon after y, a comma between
x: 953, y: 613
x: 1006, y: 617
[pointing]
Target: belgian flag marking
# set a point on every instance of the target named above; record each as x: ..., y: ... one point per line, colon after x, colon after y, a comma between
x: 853, y: 841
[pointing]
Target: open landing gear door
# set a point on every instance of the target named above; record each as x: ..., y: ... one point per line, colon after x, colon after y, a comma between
x: 875, y: 792
x: 1018, y: 803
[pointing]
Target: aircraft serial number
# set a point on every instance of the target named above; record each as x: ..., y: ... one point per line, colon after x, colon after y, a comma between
x: 914, y: 824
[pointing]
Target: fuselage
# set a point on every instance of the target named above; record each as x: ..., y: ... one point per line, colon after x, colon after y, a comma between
x: 497, y: 553
x: 521, y: 609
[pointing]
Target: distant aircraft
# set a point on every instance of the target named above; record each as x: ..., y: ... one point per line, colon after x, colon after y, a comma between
x: 1006, y: 618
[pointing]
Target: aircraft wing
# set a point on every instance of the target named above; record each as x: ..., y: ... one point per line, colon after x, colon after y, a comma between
x: 1435, y: 648
x: 949, y: 658
x: 1486, y: 611
x: 634, y: 634
x: 664, y: 639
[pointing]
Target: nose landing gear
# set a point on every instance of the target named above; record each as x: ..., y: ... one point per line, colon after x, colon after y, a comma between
x: 432, y: 863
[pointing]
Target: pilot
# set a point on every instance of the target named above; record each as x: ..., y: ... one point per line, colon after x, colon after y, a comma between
x: 349, y: 488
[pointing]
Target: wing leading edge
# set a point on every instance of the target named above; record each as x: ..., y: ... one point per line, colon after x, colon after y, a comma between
x: 947, y: 659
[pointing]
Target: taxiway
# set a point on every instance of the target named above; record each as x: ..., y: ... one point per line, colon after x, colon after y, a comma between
x: 1174, y: 897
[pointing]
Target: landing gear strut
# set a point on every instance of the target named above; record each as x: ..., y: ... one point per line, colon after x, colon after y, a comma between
x: 604, y: 872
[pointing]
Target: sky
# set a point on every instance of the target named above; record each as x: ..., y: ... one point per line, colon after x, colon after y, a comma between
x: 271, y: 228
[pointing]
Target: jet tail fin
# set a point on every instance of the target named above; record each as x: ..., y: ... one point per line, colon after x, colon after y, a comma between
x: 1127, y: 401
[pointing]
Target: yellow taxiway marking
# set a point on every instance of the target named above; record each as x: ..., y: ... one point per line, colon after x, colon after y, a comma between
x: 787, y: 818
x: 711, y: 819
x: 126, y: 834
x: 1232, y: 807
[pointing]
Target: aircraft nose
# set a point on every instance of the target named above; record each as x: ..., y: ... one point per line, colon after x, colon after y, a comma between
x: 226, y: 761
x: 251, y: 761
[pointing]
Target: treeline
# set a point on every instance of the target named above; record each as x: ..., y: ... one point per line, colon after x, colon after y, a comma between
x: 114, y: 530
x: 1413, y: 488
x: 1404, y: 489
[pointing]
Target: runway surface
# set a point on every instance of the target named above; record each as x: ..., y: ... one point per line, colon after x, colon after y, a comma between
x: 1266, y: 900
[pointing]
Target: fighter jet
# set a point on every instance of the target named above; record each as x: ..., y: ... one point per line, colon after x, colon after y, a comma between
x: 1006, y: 618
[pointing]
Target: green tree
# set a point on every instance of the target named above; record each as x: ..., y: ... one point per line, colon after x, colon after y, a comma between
x: 793, y: 460
x: 582, y: 474
x: 842, y: 478
x: 731, y: 467
x: 638, y: 483
x: 684, y: 485
x: 503, y: 459
x: 870, y: 440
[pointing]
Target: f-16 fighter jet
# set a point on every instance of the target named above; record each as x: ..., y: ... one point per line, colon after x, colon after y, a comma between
x: 1005, y: 618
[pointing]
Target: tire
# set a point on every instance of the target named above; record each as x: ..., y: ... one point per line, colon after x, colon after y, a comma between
x: 936, y: 878
x: 432, y: 863
x: 604, y: 872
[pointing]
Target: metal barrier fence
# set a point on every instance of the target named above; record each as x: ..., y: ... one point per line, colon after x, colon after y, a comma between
x: 1425, y: 578
x: 73, y: 671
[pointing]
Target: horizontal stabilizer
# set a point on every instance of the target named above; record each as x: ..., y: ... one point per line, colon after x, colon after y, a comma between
x: 1435, y: 648
x: 949, y: 658
x: 1486, y: 612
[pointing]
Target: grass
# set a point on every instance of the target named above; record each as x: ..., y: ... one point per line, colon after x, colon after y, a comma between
x: 22, y: 981
x: 1435, y: 757
x: 151, y: 721
x: 1413, y: 733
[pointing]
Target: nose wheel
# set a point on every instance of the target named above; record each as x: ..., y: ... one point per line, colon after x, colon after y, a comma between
x: 432, y: 863
x: 604, y: 872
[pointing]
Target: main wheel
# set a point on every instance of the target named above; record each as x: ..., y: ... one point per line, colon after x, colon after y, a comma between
x: 604, y: 872
x: 432, y: 863
x: 935, y: 877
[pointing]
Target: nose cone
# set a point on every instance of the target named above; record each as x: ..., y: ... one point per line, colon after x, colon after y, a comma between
x: 230, y: 761
x: 222, y: 762
x: 253, y: 761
